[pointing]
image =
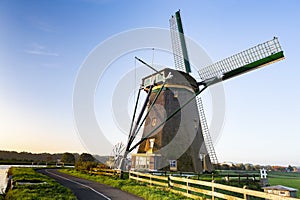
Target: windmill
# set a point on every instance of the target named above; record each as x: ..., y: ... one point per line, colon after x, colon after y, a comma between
x: 175, y: 130
x: 117, y: 153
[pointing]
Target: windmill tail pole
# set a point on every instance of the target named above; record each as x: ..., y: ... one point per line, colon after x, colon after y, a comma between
x: 132, y: 122
x: 132, y: 134
x: 146, y: 64
x: 134, y: 112
x: 149, y: 109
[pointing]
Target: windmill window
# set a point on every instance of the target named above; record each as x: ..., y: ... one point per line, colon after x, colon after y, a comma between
x: 175, y: 94
x: 153, y: 123
x: 195, y: 123
x: 173, y: 163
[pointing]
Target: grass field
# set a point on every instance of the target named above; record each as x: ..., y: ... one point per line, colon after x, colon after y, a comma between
x: 43, y: 187
x: 289, y: 179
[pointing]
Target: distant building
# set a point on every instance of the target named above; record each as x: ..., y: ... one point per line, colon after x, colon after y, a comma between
x: 279, y: 168
x: 281, y: 190
x: 295, y: 169
x: 145, y: 162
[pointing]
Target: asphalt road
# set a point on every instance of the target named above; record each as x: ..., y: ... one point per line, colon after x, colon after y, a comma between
x: 86, y: 189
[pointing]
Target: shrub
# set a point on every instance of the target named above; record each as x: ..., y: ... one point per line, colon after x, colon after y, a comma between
x: 85, y: 166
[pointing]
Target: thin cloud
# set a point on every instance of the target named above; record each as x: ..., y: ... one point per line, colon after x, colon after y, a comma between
x: 37, y: 49
x: 39, y: 52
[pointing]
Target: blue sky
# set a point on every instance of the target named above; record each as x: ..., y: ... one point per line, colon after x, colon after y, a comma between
x: 43, y: 44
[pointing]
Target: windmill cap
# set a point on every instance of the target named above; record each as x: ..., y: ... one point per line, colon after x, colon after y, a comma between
x: 171, y: 77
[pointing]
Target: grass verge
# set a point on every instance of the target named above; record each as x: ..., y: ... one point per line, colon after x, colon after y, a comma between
x: 29, y: 184
x: 139, y: 189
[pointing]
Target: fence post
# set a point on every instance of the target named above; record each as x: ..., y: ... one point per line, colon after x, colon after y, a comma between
x: 169, y: 181
x: 212, y: 189
x: 245, y: 195
x: 187, y: 185
x: 121, y: 174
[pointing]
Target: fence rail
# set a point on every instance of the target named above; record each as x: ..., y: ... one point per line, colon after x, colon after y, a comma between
x: 108, y: 172
x: 148, y: 178
x: 196, y: 188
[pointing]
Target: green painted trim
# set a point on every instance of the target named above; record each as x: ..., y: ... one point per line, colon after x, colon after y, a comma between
x: 182, y: 42
x: 253, y: 65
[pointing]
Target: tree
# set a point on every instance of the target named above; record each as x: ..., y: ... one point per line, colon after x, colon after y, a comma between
x: 249, y: 167
x: 68, y: 158
x: 85, y: 163
x: 257, y: 167
x: 85, y: 166
x: 290, y: 168
x: 85, y: 157
x: 240, y: 166
x: 225, y: 167
x: 269, y: 168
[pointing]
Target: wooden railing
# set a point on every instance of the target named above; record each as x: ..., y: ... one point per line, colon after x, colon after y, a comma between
x: 151, y: 179
x: 108, y: 172
x: 197, y: 189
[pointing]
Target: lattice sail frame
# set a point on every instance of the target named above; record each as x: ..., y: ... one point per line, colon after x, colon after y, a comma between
x: 176, y: 45
x: 250, y: 59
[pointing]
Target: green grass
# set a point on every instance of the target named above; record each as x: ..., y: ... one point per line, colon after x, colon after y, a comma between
x: 143, y: 190
x: 49, y: 189
x: 139, y: 189
x: 289, y: 179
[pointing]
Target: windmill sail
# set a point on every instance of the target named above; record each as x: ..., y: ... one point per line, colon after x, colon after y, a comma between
x: 182, y: 63
x: 181, y: 58
x: 253, y: 58
x: 206, y: 134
